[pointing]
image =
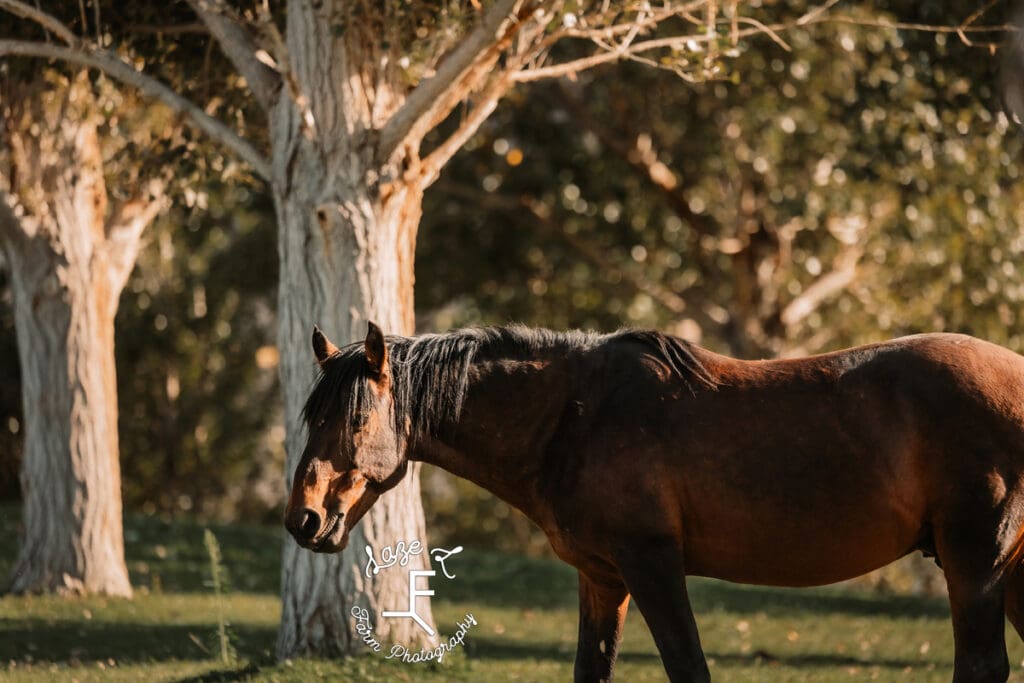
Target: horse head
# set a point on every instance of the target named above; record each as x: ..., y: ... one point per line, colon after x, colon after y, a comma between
x: 354, y: 451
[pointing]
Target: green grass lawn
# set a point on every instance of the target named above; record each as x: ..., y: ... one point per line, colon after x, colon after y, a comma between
x: 525, y: 608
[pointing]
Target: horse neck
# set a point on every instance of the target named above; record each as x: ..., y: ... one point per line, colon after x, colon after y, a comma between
x: 511, y: 408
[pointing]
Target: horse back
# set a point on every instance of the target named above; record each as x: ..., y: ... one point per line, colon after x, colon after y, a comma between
x: 807, y: 471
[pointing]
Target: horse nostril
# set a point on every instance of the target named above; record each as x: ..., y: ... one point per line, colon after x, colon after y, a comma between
x: 310, y: 523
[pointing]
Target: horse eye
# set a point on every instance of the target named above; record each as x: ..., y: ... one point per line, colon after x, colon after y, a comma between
x: 358, y: 422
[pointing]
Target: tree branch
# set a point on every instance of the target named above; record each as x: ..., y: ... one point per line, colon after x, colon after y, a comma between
x: 431, y: 167
x: 843, y: 273
x: 646, y: 165
x: 422, y: 104
x: 47, y: 21
x: 10, y: 223
x: 125, y: 224
x: 635, y: 50
x: 122, y: 71
x: 240, y: 47
x: 192, y: 28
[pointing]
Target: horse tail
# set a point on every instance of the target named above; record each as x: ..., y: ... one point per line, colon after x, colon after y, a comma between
x: 1015, y: 557
x: 1013, y: 579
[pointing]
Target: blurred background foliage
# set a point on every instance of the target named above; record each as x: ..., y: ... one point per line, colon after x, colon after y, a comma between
x: 853, y: 184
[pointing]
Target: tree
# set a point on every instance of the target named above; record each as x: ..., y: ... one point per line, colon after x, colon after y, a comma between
x: 570, y: 207
x: 350, y: 91
x: 201, y: 432
x: 69, y: 247
x: 760, y: 214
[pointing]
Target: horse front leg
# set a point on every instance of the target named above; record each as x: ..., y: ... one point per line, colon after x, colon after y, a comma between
x: 655, y: 577
x: 602, y: 612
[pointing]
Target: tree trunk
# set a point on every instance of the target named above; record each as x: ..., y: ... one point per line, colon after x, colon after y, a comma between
x: 344, y: 261
x: 346, y: 251
x: 67, y: 264
x: 71, y: 477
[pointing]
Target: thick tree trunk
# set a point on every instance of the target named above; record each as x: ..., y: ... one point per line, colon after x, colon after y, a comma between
x: 346, y: 257
x: 68, y: 263
x: 347, y: 233
x: 344, y: 261
x: 71, y: 478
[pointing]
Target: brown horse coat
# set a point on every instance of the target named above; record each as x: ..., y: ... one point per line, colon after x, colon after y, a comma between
x: 645, y: 458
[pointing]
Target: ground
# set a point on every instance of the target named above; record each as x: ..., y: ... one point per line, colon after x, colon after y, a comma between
x: 525, y: 608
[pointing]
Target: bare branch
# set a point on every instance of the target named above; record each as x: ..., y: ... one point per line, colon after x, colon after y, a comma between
x: 482, y: 109
x: 767, y: 30
x: 191, y: 28
x: 645, y: 163
x: 815, y: 13
x: 241, y: 47
x: 925, y: 28
x: 122, y: 71
x: 609, y: 51
x: 567, y: 68
x: 125, y: 223
x: 47, y: 21
x: 422, y: 104
x: 843, y: 273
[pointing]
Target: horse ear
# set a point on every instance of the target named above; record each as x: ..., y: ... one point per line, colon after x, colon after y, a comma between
x: 376, y: 349
x: 322, y: 346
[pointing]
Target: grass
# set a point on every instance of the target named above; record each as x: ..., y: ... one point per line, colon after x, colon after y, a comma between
x: 525, y: 608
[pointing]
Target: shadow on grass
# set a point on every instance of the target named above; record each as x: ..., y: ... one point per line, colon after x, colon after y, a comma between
x: 708, y: 594
x: 126, y: 642
x: 812, y: 660
x: 502, y: 649
x: 242, y: 674
x: 486, y: 648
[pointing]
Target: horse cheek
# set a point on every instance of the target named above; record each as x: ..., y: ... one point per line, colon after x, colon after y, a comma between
x: 378, y: 458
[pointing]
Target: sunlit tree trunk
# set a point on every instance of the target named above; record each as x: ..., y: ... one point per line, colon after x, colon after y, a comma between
x: 346, y: 243
x: 68, y: 254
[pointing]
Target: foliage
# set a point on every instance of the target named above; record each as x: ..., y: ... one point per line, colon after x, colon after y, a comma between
x: 626, y: 197
x: 200, y: 423
x: 142, y: 142
x: 709, y: 210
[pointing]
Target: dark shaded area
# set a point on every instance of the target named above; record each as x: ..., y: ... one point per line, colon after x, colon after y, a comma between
x: 125, y: 642
x: 224, y: 675
x: 809, y: 660
x: 708, y: 594
x: 10, y: 397
x: 496, y: 648
x: 169, y: 555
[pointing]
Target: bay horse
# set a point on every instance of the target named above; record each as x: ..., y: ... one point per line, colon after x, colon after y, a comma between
x: 645, y: 459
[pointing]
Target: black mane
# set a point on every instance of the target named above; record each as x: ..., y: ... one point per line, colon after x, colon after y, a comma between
x: 430, y: 372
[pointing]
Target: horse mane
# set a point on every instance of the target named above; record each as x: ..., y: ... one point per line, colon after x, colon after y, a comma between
x: 430, y: 372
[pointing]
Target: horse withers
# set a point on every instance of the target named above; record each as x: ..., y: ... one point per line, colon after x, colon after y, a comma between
x: 645, y: 458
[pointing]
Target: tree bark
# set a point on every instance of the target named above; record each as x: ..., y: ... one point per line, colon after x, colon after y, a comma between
x: 347, y: 237
x: 343, y: 262
x: 67, y: 264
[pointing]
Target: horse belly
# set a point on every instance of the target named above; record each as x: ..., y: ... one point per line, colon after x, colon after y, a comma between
x: 799, y: 544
